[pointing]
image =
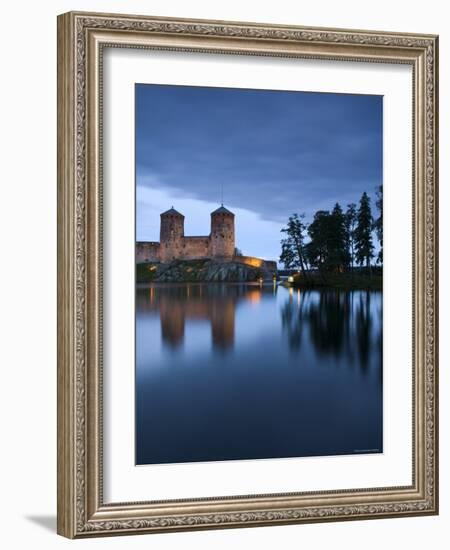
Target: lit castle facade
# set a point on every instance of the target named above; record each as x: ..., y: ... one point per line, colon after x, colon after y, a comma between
x: 174, y: 245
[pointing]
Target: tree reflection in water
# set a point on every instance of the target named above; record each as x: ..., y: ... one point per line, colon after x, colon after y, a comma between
x: 336, y: 323
x: 235, y: 371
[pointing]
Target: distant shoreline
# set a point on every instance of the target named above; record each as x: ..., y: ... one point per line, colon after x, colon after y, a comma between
x: 208, y: 272
x: 338, y: 281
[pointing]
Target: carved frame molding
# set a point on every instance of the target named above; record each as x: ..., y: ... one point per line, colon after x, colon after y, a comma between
x: 81, y: 39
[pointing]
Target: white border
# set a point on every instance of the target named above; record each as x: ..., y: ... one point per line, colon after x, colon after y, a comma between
x: 123, y: 481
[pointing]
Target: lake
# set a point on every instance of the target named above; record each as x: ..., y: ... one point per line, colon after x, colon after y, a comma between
x: 245, y: 371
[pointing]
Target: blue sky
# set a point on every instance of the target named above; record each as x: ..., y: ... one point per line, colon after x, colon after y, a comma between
x: 273, y: 153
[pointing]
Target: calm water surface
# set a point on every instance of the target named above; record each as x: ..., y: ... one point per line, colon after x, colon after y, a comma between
x: 243, y: 371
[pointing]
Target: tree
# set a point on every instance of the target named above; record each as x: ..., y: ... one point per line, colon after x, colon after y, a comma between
x: 350, y: 223
x: 339, y: 257
x: 378, y: 223
x: 317, y: 248
x: 363, y: 232
x: 293, y: 245
x: 327, y: 250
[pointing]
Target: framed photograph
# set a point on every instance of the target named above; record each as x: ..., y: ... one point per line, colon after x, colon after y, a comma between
x: 247, y: 274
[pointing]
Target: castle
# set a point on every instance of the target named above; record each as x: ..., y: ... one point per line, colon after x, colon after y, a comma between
x: 219, y: 245
x: 174, y: 245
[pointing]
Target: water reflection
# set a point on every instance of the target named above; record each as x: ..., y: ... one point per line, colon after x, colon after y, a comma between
x: 338, y: 323
x: 216, y: 303
x: 246, y: 371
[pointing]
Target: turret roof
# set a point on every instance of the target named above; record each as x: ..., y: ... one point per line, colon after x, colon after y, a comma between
x: 222, y: 210
x: 172, y: 212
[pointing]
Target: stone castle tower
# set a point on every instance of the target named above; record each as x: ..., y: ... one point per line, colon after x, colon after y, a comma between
x: 171, y: 235
x: 174, y: 245
x: 222, y: 241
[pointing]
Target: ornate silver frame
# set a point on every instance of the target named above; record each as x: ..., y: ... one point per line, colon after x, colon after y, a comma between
x: 81, y: 38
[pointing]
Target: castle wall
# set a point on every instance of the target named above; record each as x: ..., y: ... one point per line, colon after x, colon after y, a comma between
x: 266, y: 265
x: 249, y: 260
x: 171, y: 250
x: 185, y: 248
x: 147, y: 252
x: 194, y: 248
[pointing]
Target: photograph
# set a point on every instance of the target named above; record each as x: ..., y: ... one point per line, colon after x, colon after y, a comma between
x: 230, y: 339
x: 247, y: 272
x: 259, y: 274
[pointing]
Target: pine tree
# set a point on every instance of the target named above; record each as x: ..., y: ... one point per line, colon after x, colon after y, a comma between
x: 378, y: 223
x: 350, y: 222
x: 338, y: 245
x: 318, y: 247
x: 363, y: 232
x: 327, y: 249
x: 293, y: 246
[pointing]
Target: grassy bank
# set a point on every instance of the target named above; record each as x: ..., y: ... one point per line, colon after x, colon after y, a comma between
x: 146, y: 273
x: 342, y: 281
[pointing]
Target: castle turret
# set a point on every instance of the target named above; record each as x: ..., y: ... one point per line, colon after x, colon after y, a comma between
x: 222, y: 234
x: 171, y: 235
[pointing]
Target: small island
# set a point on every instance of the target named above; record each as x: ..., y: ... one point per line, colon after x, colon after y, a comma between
x: 335, y: 250
x: 212, y: 258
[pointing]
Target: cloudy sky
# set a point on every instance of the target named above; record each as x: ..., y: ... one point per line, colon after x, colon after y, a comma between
x: 272, y: 152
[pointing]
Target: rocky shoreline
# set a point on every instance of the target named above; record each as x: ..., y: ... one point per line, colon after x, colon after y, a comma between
x: 208, y: 271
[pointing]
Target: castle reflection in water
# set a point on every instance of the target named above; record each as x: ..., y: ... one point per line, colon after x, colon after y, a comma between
x: 223, y: 366
x: 334, y: 323
x: 215, y: 303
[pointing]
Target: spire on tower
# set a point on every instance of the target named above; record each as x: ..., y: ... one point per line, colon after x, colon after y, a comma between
x: 222, y: 210
x: 172, y: 212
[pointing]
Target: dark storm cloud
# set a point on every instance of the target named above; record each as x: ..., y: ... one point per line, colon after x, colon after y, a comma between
x: 274, y: 152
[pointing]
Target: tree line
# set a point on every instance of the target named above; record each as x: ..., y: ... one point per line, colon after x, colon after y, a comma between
x: 334, y: 241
